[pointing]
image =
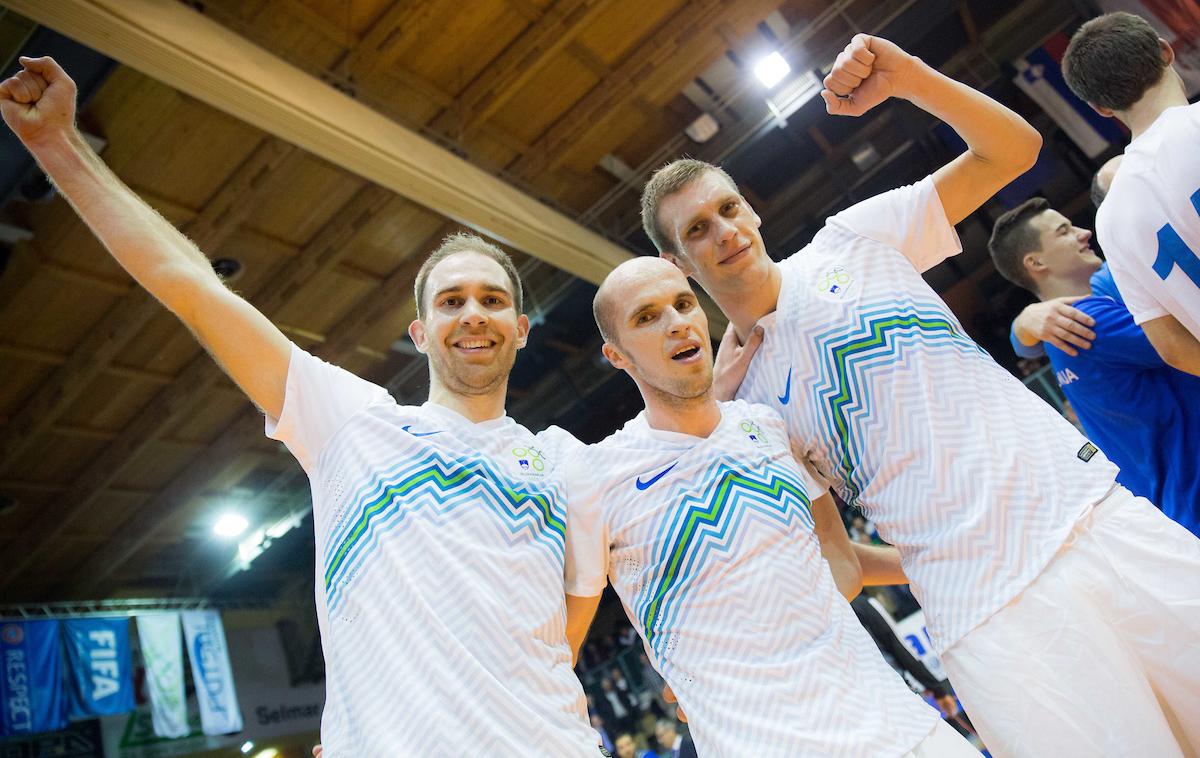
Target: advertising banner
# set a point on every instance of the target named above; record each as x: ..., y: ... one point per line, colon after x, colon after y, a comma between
x: 211, y: 672
x: 31, y: 692
x: 161, y: 640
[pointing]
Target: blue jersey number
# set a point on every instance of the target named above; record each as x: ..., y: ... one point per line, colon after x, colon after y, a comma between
x: 1172, y: 251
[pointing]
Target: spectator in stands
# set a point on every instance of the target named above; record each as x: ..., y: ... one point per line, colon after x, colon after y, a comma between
x: 1142, y: 413
x: 615, y: 709
x: 672, y: 744
x: 652, y: 687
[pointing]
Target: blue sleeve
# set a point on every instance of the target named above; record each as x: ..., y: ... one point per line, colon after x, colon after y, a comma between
x: 1024, y: 351
x: 1119, y: 341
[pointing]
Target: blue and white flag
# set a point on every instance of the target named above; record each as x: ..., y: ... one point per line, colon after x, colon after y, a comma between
x: 31, y: 696
x: 161, y: 642
x: 211, y: 672
x: 100, y: 679
x: 1039, y: 75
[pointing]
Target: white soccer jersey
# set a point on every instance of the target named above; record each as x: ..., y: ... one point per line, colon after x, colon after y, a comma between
x: 1149, y: 223
x: 709, y: 543
x: 439, y: 579
x: 974, y: 478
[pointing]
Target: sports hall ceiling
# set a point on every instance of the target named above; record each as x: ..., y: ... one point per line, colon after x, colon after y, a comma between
x: 120, y: 441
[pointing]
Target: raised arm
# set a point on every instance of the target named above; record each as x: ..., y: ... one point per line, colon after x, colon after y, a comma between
x: 38, y: 104
x: 1000, y: 144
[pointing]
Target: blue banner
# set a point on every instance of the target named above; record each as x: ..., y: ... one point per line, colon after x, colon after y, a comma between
x: 100, y: 682
x: 31, y: 696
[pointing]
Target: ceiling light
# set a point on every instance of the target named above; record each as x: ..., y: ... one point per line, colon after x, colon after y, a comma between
x: 270, y: 752
x: 771, y: 70
x: 247, y: 746
x: 230, y: 525
x: 704, y: 128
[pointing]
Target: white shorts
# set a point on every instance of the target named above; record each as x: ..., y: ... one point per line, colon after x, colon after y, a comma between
x: 1100, y: 655
x: 943, y: 742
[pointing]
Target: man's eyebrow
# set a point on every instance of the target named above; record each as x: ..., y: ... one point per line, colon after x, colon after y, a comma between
x: 461, y: 287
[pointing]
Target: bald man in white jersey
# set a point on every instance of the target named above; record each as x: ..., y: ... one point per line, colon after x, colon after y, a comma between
x: 713, y: 537
x: 439, y: 528
x: 1066, y: 611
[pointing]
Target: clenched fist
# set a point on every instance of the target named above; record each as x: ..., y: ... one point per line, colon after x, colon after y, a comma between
x: 38, y: 103
x: 867, y: 72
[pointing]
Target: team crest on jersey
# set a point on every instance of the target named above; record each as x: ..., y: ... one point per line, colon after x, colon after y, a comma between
x: 529, y: 460
x: 753, y: 433
x: 835, y: 283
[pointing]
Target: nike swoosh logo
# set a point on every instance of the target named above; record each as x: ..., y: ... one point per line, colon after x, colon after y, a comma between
x: 643, y: 485
x: 408, y: 428
x: 787, y: 390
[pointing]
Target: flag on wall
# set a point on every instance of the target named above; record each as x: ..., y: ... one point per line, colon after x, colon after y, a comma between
x: 1176, y: 21
x: 31, y: 693
x: 1039, y: 75
x: 100, y: 682
x: 211, y: 672
x: 161, y: 641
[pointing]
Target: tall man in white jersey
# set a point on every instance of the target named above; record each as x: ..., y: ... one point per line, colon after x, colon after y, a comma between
x: 439, y: 528
x: 713, y: 536
x: 1149, y: 223
x: 1066, y: 611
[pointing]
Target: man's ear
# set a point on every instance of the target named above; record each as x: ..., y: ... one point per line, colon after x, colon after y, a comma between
x: 679, y: 262
x: 416, y: 332
x: 1033, y: 262
x: 1168, y: 55
x: 522, y: 330
x: 613, y: 355
x: 1106, y: 112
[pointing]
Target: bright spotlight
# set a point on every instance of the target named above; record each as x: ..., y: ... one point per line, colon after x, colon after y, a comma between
x: 247, y: 746
x: 771, y: 70
x: 230, y: 525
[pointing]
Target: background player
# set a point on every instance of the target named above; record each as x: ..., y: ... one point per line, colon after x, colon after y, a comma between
x: 440, y: 555
x: 1064, y: 609
x: 1149, y: 226
x: 1142, y: 413
x: 708, y: 530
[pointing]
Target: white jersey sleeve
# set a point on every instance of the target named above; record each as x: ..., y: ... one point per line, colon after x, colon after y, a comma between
x: 909, y: 219
x: 587, y: 533
x: 318, y: 400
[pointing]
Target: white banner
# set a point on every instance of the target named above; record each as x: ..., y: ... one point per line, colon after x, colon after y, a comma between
x: 161, y: 642
x: 211, y: 672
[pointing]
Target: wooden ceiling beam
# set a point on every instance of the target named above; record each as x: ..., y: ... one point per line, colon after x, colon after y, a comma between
x: 686, y: 35
x: 158, y: 513
x: 174, y: 402
x: 105, y: 340
x: 502, y: 78
x: 198, y: 56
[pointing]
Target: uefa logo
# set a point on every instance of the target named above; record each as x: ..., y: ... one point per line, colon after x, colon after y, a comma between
x: 12, y: 634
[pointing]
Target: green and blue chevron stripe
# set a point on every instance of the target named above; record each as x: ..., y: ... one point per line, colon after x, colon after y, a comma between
x: 439, y: 486
x: 706, y: 524
x: 890, y: 339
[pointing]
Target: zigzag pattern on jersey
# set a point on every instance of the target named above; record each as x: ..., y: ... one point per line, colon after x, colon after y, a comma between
x: 706, y: 523
x: 441, y: 486
x: 883, y: 338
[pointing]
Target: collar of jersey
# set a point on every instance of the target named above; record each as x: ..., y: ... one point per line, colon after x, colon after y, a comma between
x: 454, y: 417
x: 639, y: 426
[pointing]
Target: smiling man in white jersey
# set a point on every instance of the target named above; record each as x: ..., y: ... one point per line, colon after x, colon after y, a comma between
x: 1149, y: 223
x: 713, y: 537
x: 1065, y: 610
x: 439, y: 528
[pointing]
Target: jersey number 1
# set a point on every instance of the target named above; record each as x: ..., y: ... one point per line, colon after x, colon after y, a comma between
x: 1172, y: 251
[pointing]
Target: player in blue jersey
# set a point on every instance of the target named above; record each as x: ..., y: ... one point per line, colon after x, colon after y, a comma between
x: 1144, y: 414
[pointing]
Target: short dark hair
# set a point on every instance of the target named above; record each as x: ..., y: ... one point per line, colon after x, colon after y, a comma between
x: 1013, y: 237
x: 665, y: 182
x: 465, y: 242
x: 1112, y: 60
